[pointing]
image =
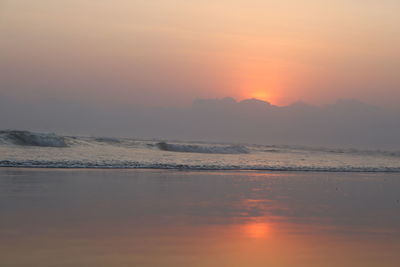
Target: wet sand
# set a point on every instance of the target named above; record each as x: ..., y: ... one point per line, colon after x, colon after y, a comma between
x: 64, y: 217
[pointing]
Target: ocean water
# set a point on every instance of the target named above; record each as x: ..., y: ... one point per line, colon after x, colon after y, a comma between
x: 98, y: 201
x: 27, y: 149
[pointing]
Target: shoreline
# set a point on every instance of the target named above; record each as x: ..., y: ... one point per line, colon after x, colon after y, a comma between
x: 204, y: 169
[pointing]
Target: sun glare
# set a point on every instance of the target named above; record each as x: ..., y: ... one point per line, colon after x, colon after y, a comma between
x: 256, y: 230
x: 262, y: 95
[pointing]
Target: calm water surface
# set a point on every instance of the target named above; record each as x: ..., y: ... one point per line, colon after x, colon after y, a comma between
x: 184, y: 218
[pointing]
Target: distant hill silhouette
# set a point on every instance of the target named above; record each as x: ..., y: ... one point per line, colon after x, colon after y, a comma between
x: 346, y: 123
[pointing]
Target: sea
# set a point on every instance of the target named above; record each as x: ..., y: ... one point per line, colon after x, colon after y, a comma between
x: 49, y: 150
x: 100, y: 201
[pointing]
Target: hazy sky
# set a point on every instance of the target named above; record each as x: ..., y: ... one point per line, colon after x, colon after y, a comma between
x: 168, y: 52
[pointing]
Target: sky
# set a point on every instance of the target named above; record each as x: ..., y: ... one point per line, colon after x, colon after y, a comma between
x: 153, y: 53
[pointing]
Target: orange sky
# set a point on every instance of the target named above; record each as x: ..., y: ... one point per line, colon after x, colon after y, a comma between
x: 168, y: 52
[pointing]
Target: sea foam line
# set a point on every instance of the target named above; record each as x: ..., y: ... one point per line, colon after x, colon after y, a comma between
x: 138, y: 165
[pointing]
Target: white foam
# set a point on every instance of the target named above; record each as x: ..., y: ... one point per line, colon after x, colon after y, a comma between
x: 27, y: 149
x: 139, y: 165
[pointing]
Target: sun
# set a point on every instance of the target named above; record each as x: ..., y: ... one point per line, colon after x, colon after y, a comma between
x: 264, y: 82
x: 260, y: 94
x: 256, y: 230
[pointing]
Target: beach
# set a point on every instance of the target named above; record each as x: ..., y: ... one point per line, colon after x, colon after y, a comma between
x: 198, y: 133
x: 136, y: 217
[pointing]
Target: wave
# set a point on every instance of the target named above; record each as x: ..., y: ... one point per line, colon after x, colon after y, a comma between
x: 346, y: 151
x: 354, y: 151
x: 202, y: 149
x: 363, y: 152
x: 108, y: 140
x: 138, y: 165
x: 26, y: 138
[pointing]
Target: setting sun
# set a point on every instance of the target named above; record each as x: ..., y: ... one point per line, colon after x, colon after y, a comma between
x: 262, y: 95
x: 263, y: 82
x: 256, y: 230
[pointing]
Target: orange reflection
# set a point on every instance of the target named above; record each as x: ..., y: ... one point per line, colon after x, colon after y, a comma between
x: 257, y: 230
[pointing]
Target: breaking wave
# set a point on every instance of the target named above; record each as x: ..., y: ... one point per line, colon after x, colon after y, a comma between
x: 202, y: 149
x: 130, y: 153
x: 26, y: 138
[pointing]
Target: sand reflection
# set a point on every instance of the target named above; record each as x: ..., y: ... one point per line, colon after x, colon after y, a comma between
x: 149, y: 218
